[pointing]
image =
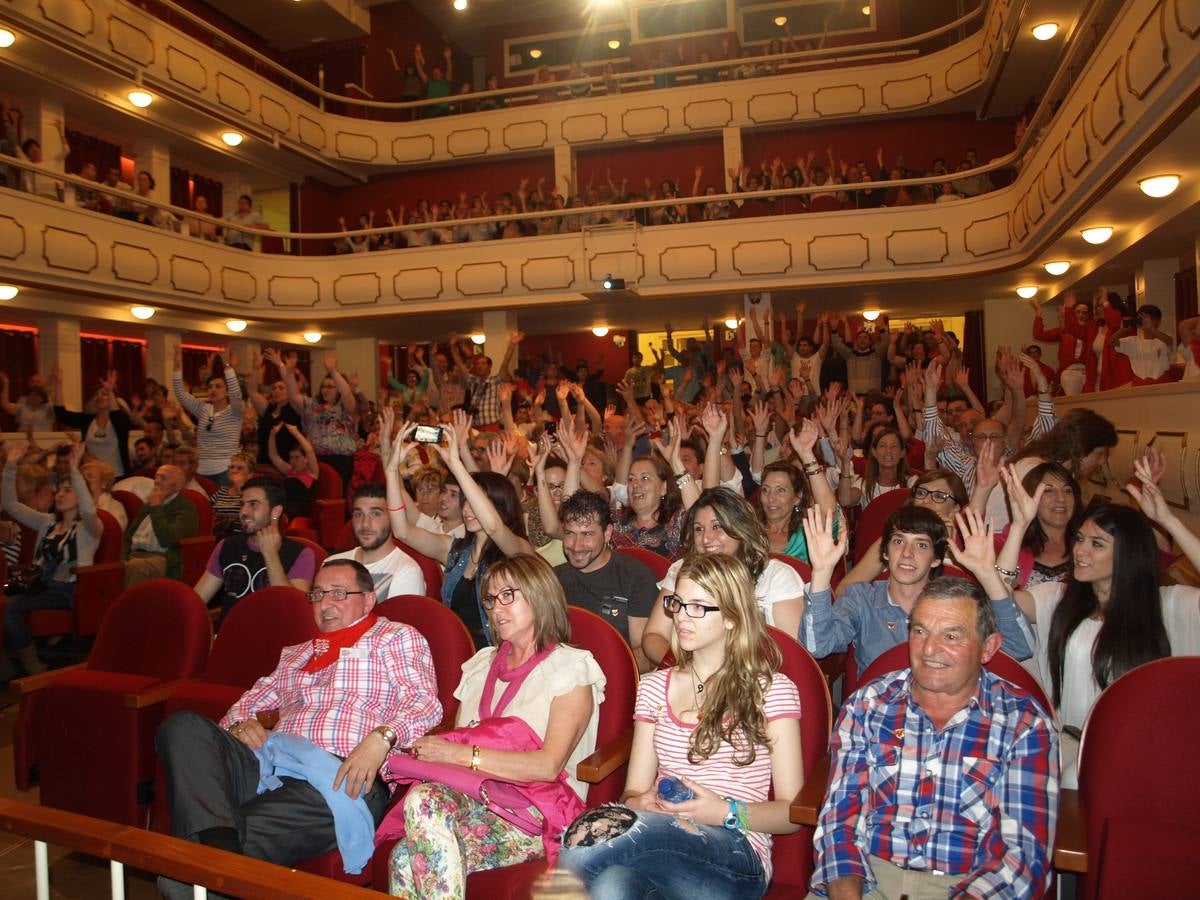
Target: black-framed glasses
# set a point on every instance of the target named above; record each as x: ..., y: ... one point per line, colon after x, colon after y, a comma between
x: 337, y: 594
x: 673, y: 603
x: 920, y: 493
x: 504, y: 597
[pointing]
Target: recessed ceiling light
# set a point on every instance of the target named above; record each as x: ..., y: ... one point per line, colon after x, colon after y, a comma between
x: 1098, y: 234
x: 614, y: 44
x: 1045, y: 30
x: 1026, y: 291
x: 600, y: 330
x: 867, y: 10
x: 870, y: 314
x: 1159, y: 185
x: 731, y: 324
x: 140, y: 99
x: 8, y: 291
x: 142, y: 312
x: 781, y: 21
x: 535, y: 53
x: 460, y: 5
x: 1058, y: 267
x: 237, y: 326
x: 232, y: 138
x: 478, y: 338
x: 6, y: 37
x: 312, y: 337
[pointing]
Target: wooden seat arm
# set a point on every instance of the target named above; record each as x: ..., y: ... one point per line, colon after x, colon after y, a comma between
x: 1070, y: 836
x: 806, y: 807
x: 31, y: 683
x: 157, y: 694
x: 605, y: 760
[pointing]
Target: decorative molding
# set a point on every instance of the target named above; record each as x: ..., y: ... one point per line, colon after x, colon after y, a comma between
x: 293, y: 290
x: 1183, y: 10
x: 469, y: 142
x: 418, y: 148
x: 187, y: 273
x: 688, y: 262
x: 185, y: 69
x: 423, y: 283
x: 1151, y: 60
x: 1107, y: 113
x: 310, y: 131
x: 131, y: 262
x: 358, y: 147
x: 73, y: 15
x: 526, y: 135
x: 829, y: 252
x: 701, y: 115
x: 1077, y: 152
x: 781, y: 106
x: 917, y: 246
x: 1185, y: 501
x: 907, y: 93
x: 359, y: 289
x: 584, y: 129
x: 769, y: 257
x: 232, y: 94
x: 60, y: 244
x: 12, y: 238
x: 1053, y: 182
x: 839, y: 100
x: 123, y: 40
x: 274, y: 114
x: 238, y: 285
x: 548, y: 273
x: 481, y: 278
x: 646, y: 121
x: 983, y: 237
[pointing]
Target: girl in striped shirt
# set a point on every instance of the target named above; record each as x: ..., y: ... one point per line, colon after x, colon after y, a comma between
x: 724, y: 725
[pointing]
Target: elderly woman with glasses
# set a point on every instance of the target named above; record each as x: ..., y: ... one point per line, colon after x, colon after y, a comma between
x: 533, y: 675
x: 713, y: 736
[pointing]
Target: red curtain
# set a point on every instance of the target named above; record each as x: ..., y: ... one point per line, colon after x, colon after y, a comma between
x: 1185, y: 294
x: 18, y: 350
x: 974, y: 354
x: 85, y: 148
x: 128, y: 358
x: 187, y: 186
x: 94, y: 363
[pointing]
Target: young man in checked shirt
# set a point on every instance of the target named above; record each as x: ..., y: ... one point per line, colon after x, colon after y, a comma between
x: 360, y: 691
x: 945, y: 778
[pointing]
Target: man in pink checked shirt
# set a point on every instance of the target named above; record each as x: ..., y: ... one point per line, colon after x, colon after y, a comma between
x: 348, y: 698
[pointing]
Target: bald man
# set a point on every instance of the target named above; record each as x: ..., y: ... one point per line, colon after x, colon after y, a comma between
x: 152, y: 538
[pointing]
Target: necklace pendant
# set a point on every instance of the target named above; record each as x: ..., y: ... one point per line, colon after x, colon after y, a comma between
x: 700, y: 688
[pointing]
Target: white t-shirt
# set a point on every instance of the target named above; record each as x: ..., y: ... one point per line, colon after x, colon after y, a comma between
x: 833, y: 476
x: 139, y: 485
x: 395, y: 574
x: 1148, y: 357
x: 778, y: 582
x: 437, y: 526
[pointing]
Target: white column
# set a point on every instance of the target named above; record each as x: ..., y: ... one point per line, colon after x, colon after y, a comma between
x: 731, y: 141
x: 160, y: 354
x: 58, y: 337
x: 1155, y: 284
x: 244, y: 349
x: 233, y: 186
x: 155, y: 158
x: 360, y: 356
x: 564, y: 167
x: 1008, y: 322
x: 498, y: 327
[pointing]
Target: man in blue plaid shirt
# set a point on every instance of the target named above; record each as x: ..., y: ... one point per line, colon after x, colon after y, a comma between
x: 945, y: 777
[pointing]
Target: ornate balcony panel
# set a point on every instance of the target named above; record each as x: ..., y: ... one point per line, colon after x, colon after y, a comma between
x: 1084, y: 148
x: 183, y: 67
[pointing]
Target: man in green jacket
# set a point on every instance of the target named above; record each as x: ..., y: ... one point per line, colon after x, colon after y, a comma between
x: 152, y: 538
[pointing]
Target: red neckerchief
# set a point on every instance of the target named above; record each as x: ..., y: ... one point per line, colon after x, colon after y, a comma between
x: 328, y: 647
x: 513, y: 679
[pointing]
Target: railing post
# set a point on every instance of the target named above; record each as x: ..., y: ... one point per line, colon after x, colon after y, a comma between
x: 41, y: 868
x: 199, y: 892
x: 116, y: 874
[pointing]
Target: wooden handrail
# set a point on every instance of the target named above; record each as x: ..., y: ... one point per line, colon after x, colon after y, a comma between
x: 182, y: 860
x: 159, y: 693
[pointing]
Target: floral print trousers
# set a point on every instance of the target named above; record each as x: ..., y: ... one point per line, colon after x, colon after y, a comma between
x: 447, y: 836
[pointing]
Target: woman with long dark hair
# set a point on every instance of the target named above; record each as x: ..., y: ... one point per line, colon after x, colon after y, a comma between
x: 887, y: 470
x: 491, y: 514
x: 723, y: 726
x: 658, y: 490
x: 788, y: 489
x: 1110, y: 615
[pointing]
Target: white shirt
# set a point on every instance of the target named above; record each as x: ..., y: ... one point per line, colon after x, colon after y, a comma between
x: 394, y: 575
x: 437, y: 526
x: 778, y: 582
x: 1148, y: 357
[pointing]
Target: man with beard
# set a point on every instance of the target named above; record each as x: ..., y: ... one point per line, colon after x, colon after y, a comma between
x: 259, y: 557
x: 392, y: 570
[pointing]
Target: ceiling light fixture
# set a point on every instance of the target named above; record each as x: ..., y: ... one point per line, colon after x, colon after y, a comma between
x: 6, y: 38
x: 614, y: 44
x: 1045, y: 30
x: 535, y: 53
x: 1097, y: 234
x: 870, y: 314
x: 237, y: 326
x: 1159, y: 185
x: 142, y: 312
x: 479, y: 338
x: 141, y: 99
x: 600, y: 330
x: 867, y: 10
x: 1058, y: 267
x: 232, y: 138
x: 460, y: 5
x: 781, y: 21
x: 731, y: 324
x: 613, y: 284
x: 1027, y: 291
x: 8, y: 291
x: 313, y: 337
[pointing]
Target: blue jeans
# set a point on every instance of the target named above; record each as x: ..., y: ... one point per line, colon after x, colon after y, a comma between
x: 53, y: 595
x: 624, y: 854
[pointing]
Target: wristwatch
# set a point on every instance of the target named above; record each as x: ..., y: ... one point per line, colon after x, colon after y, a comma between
x: 388, y: 733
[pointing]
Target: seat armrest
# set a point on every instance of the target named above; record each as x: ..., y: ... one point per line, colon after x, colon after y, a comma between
x: 31, y: 683
x: 157, y: 694
x: 1070, y: 836
x: 605, y: 760
x: 806, y: 807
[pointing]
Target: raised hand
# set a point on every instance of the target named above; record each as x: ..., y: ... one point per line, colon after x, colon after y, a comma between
x: 178, y: 353
x: 271, y: 355
x: 804, y: 441
x: 460, y: 423
x: 987, y: 465
x: 76, y: 455
x: 1152, y: 502
x: 573, y: 442
x: 978, y: 552
x: 387, y: 421
x: 499, y: 459
x: 1151, y: 466
x: 715, y: 422
x: 330, y: 361
x: 760, y: 417
x: 1022, y: 505
x: 823, y: 551
x: 402, y: 446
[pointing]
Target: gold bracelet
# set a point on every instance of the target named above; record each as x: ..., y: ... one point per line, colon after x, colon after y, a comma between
x: 475, y: 758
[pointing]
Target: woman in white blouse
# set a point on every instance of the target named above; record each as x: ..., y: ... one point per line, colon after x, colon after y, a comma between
x: 1102, y: 622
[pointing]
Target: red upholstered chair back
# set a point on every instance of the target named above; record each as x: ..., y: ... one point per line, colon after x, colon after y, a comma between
x: 156, y: 607
x: 872, y: 519
x: 824, y: 204
x: 1139, y: 777
x: 204, y: 513
x: 328, y: 485
x: 346, y: 539
x: 430, y: 568
x: 109, y: 550
x: 131, y: 501
x: 657, y: 564
x: 317, y: 549
x: 803, y: 569
x: 792, y: 854
x: 210, y: 486
x: 449, y: 641
x: 255, y: 631
x: 592, y: 633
